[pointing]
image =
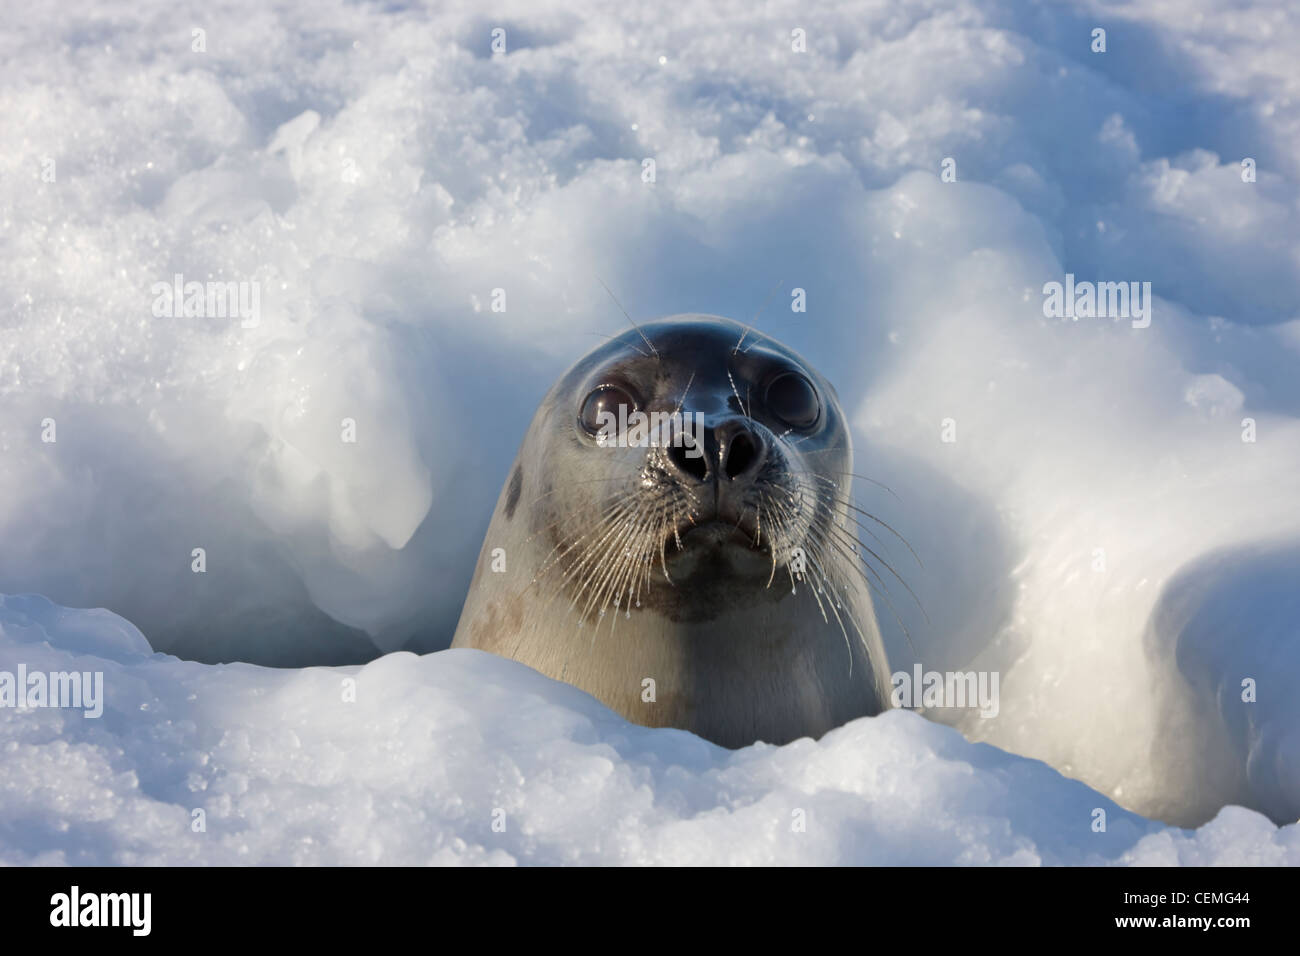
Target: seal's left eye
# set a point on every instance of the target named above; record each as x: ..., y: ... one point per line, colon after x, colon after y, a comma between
x: 792, y: 398
x: 605, y: 399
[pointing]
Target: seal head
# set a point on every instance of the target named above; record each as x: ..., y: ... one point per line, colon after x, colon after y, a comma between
x: 677, y: 538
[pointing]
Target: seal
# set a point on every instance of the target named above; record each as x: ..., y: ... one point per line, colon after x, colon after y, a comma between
x: 677, y: 538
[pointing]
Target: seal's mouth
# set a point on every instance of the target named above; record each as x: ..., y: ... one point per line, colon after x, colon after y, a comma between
x: 718, y: 531
x: 727, y: 529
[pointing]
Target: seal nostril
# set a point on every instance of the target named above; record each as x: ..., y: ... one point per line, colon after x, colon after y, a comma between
x: 692, y: 465
x: 742, y: 453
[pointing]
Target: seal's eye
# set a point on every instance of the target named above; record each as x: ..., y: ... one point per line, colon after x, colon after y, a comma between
x: 792, y: 398
x: 602, y: 403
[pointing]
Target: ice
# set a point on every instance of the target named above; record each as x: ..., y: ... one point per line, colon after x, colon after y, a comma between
x: 463, y: 757
x: 1099, y: 532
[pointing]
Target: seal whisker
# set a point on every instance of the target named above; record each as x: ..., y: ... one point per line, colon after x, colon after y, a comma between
x: 625, y: 566
x: 833, y: 502
x: 855, y: 542
x: 879, y: 589
x: 820, y: 579
x: 594, y: 559
x: 835, y: 610
x: 609, y: 583
x: 681, y: 401
x: 589, y: 542
x: 884, y: 524
x: 597, y: 576
x: 736, y: 392
x: 645, y: 559
x: 586, y: 481
x: 629, y: 318
x: 864, y: 571
x: 771, y: 547
x: 822, y: 534
x: 647, y: 569
x: 848, y: 502
x: 852, y: 474
x: 565, y: 546
x: 606, y: 335
x: 663, y: 548
x: 839, y: 501
x: 746, y: 329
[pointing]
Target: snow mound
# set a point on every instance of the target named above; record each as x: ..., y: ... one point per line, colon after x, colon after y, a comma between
x: 463, y: 757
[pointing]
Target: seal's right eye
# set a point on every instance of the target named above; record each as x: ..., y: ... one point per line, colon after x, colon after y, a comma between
x: 602, y: 403
x: 792, y: 398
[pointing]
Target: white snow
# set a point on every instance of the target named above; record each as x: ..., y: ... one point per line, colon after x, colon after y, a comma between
x: 436, y: 750
x: 1099, y: 533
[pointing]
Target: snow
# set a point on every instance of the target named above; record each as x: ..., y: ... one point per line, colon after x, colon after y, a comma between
x: 432, y: 751
x: 1099, y: 533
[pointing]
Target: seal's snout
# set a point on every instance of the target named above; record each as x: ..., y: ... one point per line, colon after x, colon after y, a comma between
x: 688, y: 468
x: 740, y: 450
x: 734, y: 452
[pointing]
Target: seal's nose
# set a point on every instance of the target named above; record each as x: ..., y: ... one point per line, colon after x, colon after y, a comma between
x: 733, y: 451
x: 740, y: 449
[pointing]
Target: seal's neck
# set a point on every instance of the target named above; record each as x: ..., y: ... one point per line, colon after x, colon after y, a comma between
x: 769, y: 668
